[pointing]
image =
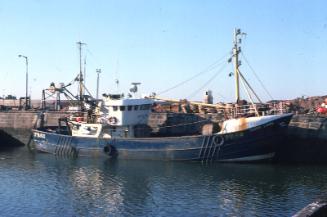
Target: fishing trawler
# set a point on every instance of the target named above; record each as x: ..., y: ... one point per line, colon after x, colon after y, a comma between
x: 120, y: 132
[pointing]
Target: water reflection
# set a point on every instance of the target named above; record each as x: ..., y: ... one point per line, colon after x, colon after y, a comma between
x: 104, y: 187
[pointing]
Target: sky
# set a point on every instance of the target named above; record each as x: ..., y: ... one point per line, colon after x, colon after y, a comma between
x: 162, y: 43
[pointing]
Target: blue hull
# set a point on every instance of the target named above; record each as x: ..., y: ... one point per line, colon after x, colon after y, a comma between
x: 254, y: 144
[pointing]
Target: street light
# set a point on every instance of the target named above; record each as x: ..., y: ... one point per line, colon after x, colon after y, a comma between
x: 26, y: 91
x: 98, y: 71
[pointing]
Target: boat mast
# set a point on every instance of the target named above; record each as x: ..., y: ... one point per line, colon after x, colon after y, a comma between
x: 235, y: 57
x: 84, y: 75
x: 236, y: 51
x: 81, y: 87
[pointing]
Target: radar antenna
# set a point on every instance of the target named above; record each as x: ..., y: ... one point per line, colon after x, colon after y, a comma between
x: 134, y: 87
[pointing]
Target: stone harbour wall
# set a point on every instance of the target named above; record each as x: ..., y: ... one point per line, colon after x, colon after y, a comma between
x: 16, y: 126
x: 181, y: 124
x: 306, y: 140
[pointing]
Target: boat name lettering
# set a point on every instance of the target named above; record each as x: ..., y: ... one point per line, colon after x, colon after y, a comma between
x: 39, y: 135
x: 234, y: 136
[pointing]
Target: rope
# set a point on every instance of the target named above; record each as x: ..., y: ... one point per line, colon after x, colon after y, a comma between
x: 257, y: 77
x: 209, y: 68
x: 178, y: 125
x: 208, y: 82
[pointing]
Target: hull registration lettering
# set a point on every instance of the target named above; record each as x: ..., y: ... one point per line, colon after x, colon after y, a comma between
x: 39, y: 135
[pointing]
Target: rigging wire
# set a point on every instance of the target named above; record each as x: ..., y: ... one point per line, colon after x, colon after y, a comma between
x: 249, y: 86
x: 244, y: 83
x: 93, y: 58
x: 209, y: 68
x: 87, y: 91
x: 257, y: 77
x: 208, y: 82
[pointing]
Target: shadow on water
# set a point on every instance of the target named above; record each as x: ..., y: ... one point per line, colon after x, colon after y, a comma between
x: 8, y: 141
x: 106, y: 187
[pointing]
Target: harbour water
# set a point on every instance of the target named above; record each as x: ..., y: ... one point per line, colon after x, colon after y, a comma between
x: 35, y: 184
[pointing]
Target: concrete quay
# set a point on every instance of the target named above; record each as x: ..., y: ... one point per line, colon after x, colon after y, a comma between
x: 16, y: 126
x: 306, y: 140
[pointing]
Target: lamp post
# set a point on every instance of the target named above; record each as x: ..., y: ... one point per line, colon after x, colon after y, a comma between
x: 26, y: 91
x: 98, y: 71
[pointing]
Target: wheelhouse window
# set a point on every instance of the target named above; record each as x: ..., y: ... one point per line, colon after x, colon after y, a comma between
x: 122, y: 108
x: 115, y: 108
x: 136, y: 107
x: 129, y: 108
x: 145, y: 107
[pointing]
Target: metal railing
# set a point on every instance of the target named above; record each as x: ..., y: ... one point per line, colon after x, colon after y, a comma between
x: 248, y: 110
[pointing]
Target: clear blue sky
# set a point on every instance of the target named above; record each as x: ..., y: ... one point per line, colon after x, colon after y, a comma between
x: 163, y: 42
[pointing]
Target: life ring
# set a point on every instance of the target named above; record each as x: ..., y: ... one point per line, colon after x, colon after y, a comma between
x: 79, y: 119
x: 112, y: 120
x: 218, y: 140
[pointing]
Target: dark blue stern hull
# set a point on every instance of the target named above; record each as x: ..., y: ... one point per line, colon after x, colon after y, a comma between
x: 254, y: 144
